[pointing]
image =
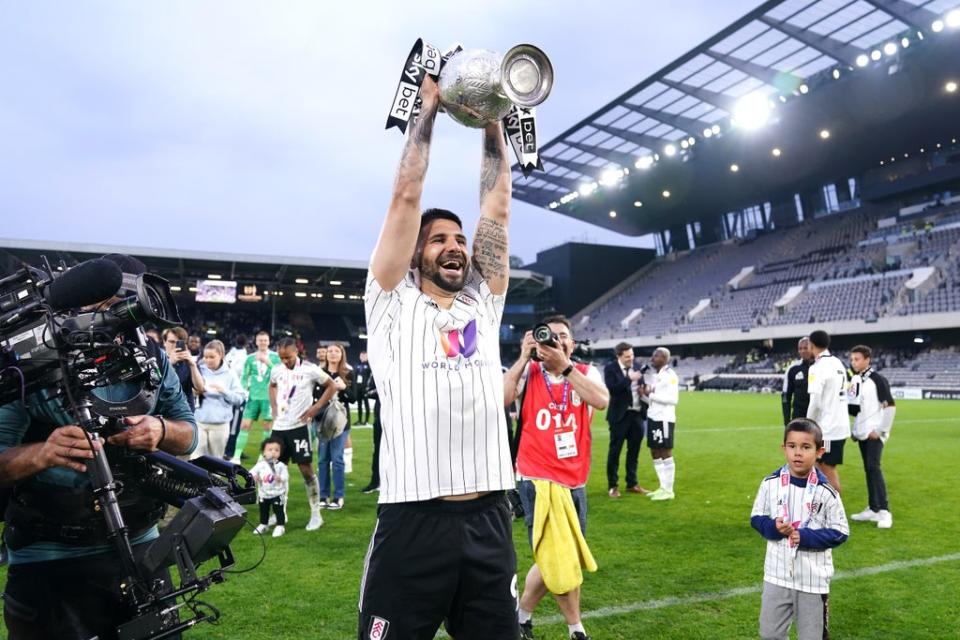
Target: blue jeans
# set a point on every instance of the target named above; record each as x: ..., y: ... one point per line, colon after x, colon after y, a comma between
x: 528, y: 497
x: 330, y: 454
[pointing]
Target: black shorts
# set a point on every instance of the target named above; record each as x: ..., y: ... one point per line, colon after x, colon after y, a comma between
x: 439, y: 562
x: 834, y: 452
x: 296, y: 445
x: 660, y: 434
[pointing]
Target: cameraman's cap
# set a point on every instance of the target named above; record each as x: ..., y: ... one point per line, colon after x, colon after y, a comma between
x: 131, y: 268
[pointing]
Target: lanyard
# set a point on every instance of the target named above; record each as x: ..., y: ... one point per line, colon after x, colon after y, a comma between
x: 564, y: 394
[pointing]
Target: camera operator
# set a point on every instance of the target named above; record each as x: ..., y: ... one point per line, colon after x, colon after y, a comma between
x: 557, y: 401
x: 63, y: 579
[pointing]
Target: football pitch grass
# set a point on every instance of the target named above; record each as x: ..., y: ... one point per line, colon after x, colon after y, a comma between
x: 688, y: 568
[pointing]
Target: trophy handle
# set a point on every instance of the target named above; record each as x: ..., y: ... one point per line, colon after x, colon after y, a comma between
x: 526, y: 75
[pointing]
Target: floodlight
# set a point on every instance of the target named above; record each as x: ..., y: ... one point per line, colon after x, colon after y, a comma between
x: 776, y: 152
x: 611, y: 177
x: 587, y: 188
x: 752, y: 111
x: 836, y: 74
x: 302, y: 281
x: 716, y: 129
x: 734, y: 168
x: 613, y: 214
x: 951, y: 86
x: 554, y: 205
x: 804, y: 88
x: 670, y: 150
x: 875, y: 55
x: 937, y: 26
x: 953, y: 19
x: 707, y: 132
x: 890, y: 48
x: 863, y: 60
x: 665, y: 193
x: 904, y: 42
x: 824, y: 133
x: 644, y: 162
x: 637, y: 203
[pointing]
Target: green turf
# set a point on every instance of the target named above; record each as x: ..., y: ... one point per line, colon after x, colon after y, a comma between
x: 700, y: 543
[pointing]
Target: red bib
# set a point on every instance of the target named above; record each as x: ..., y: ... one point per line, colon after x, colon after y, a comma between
x: 555, y: 442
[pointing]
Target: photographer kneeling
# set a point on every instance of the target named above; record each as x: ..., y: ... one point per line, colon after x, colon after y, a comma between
x: 64, y: 577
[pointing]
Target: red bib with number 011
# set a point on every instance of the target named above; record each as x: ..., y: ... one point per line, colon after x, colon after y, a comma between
x: 555, y: 441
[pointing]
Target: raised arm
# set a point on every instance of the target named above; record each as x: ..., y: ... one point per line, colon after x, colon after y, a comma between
x: 490, y: 248
x: 398, y: 236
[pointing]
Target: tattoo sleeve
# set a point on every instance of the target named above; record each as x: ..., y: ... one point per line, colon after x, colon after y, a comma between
x: 416, y: 151
x: 492, y: 164
x: 490, y: 249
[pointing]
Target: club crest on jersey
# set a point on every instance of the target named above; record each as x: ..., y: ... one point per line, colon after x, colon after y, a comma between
x: 460, y: 341
x: 378, y: 628
x: 814, y: 507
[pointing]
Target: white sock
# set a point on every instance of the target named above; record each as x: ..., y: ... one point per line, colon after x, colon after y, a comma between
x: 313, y: 493
x: 669, y: 472
x: 573, y: 628
x: 348, y: 460
x: 658, y: 468
x: 524, y: 615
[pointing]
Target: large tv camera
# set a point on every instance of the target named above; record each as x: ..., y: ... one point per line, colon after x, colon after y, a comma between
x: 72, y: 336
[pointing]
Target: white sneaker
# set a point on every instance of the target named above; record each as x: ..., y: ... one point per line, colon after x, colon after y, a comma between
x: 261, y: 529
x: 335, y: 504
x: 279, y: 531
x: 316, y: 521
x: 867, y: 515
x: 884, y: 519
x: 272, y: 520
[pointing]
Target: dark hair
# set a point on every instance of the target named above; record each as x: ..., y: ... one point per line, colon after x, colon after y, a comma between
x: 286, y: 343
x: 805, y: 425
x: 620, y: 348
x: 272, y: 440
x: 863, y: 350
x: 438, y: 214
x: 558, y: 318
x: 240, y: 341
x: 820, y: 339
x: 262, y: 332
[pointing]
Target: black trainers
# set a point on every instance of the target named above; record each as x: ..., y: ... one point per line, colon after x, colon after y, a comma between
x: 579, y: 635
x: 526, y: 630
x: 371, y: 488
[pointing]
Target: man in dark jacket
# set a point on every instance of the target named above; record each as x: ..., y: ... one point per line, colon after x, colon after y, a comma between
x: 626, y: 415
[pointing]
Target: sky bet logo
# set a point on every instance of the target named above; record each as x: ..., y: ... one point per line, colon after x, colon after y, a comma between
x: 460, y: 342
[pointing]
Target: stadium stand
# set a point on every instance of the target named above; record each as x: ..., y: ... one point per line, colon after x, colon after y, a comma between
x: 838, y: 267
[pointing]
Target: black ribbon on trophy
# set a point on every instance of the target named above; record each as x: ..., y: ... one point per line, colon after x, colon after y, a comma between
x: 477, y: 87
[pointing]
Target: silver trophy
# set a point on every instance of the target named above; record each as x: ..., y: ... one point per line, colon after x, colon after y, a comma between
x: 479, y: 86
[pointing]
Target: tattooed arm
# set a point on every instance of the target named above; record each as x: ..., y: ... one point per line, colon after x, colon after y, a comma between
x: 490, y: 247
x: 398, y: 236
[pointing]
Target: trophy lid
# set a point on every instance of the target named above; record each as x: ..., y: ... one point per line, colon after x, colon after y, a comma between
x: 526, y: 75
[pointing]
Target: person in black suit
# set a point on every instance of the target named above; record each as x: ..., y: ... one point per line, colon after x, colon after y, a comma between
x: 362, y: 373
x: 626, y: 415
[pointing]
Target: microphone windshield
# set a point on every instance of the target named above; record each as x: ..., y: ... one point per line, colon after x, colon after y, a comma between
x: 87, y: 283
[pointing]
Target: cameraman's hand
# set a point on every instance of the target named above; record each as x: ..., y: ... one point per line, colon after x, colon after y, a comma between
x: 528, y: 346
x: 554, y: 359
x: 67, y: 447
x: 144, y: 433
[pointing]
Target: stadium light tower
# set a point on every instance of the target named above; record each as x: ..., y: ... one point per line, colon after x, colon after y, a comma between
x: 752, y: 111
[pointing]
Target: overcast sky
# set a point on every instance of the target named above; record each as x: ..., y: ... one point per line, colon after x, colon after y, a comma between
x: 257, y: 127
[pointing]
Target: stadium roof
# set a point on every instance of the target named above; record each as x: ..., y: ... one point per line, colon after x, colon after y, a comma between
x: 664, y: 151
x: 338, y: 281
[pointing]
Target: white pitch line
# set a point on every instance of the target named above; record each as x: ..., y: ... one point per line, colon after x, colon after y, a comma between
x: 675, y: 601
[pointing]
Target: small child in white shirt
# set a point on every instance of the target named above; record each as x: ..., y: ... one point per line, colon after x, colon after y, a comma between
x: 273, y: 484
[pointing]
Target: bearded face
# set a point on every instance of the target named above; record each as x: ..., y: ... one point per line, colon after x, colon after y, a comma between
x: 443, y: 258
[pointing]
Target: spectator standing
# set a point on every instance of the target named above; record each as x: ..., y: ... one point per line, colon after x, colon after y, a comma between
x: 362, y: 384
x: 221, y: 394
x: 184, y: 364
x: 330, y: 452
